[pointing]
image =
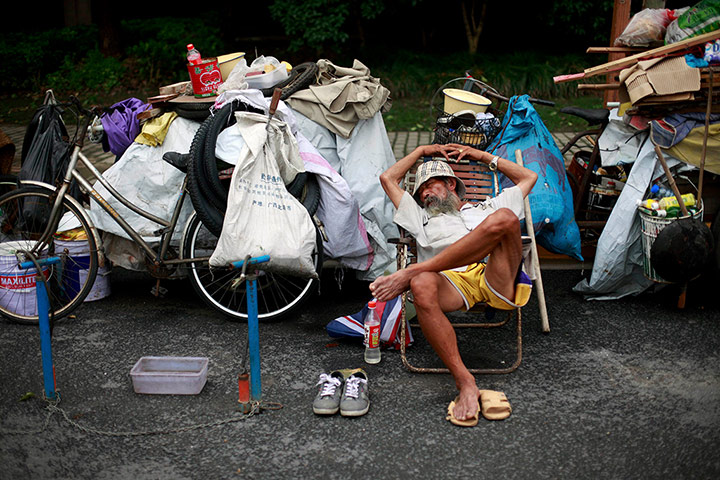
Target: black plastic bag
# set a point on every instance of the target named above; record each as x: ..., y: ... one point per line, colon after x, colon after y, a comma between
x: 45, y: 156
x: 48, y: 150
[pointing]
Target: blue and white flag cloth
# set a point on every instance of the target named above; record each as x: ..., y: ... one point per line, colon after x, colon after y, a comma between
x: 389, y: 312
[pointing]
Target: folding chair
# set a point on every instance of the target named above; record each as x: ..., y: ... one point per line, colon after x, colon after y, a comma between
x: 480, y: 183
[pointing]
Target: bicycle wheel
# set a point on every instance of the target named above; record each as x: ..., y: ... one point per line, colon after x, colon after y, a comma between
x: 23, y: 218
x: 277, y: 295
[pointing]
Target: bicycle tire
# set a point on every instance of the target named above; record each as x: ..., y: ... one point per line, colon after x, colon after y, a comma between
x: 197, y: 183
x: 23, y: 217
x: 277, y: 295
x: 222, y: 119
x: 311, y: 194
x: 301, y: 76
x: 296, y: 186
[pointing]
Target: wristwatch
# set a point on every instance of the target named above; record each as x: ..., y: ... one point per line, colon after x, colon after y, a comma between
x: 493, y: 163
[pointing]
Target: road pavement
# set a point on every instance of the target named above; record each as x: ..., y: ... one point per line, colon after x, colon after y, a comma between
x: 623, y: 389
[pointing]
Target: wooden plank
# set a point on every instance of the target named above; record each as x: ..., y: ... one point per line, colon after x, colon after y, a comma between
x: 598, y: 86
x: 615, y: 49
x: 627, y: 61
x: 654, y: 53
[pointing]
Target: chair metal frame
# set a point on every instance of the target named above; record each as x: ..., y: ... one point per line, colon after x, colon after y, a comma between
x: 480, y: 183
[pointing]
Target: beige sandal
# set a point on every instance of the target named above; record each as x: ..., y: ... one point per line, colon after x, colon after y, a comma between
x: 494, y: 405
x: 468, y: 422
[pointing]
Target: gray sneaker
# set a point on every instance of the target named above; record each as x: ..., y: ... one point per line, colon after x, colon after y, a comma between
x: 355, y: 401
x: 327, y: 400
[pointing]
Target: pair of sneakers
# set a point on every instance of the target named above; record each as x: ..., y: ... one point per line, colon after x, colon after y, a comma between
x: 348, y: 395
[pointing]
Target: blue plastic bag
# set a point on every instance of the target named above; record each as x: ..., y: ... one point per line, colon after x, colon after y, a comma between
x: 551, y: 200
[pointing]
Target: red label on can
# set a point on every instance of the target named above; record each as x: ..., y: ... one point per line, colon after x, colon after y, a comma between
x: 20, y: 281
x: 205, y: 77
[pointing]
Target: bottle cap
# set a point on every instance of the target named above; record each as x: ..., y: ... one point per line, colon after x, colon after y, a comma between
x: 372, y: 303
x: 190, y: 46
x: 655, y: 189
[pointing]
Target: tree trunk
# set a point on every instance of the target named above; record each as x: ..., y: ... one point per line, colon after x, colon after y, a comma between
x: 473, y: 19
x: 108, y: 20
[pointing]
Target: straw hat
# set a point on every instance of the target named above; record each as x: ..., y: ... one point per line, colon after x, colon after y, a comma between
x: 432, y: 169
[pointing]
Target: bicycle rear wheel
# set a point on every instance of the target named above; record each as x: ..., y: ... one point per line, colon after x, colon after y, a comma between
x: 277, y: 295
x: 23, y: 218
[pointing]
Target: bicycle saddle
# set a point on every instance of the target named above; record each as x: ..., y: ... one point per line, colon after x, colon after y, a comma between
x: 177, y: 160
x: 594, y: 116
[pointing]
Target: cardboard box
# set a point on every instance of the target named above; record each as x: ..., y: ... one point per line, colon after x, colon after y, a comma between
x: 667, y: 79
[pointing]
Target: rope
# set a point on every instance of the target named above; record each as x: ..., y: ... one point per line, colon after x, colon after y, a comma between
x: 53, y: 408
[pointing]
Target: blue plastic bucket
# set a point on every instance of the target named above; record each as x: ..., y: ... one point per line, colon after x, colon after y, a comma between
x: 76, y: 271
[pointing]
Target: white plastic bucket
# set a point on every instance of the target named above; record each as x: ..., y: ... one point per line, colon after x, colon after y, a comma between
x: 76, y: 272
x: 459, y: 100
x: 17, y: 286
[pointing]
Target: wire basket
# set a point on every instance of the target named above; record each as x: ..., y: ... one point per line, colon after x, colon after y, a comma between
x: 466, y: 129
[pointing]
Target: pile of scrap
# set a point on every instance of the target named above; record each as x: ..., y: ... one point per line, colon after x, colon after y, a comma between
x: 659, y: 77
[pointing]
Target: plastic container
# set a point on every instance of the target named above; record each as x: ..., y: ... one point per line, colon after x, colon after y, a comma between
x: 651, y: 226
x: 267, y: 80
x: 227, y: 62
x: 76, y: 271
x: 193, y: 56
x: 17, y: 286
x: 372, y: 335
x: 459, y: 100
x: 170, y: 375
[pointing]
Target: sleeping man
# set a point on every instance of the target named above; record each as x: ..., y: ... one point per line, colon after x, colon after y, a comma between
x: 453, y: 240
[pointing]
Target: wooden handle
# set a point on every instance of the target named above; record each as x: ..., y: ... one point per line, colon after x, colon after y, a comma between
x: 275, y: 100
x: 671, y: 181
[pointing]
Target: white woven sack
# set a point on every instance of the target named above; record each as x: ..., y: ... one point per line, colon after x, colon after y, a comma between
x: 262, y: 218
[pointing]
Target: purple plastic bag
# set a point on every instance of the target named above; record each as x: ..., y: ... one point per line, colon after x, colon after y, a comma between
x: 121, y: 124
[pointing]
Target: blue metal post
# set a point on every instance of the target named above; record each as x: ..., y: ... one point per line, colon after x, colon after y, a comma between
x: 253, y: 341
x: 45, y: 345
x: 43, y: 305
x: 253, y: 327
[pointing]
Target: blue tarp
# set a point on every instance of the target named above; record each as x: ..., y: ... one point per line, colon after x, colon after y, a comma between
x: 551, y: 200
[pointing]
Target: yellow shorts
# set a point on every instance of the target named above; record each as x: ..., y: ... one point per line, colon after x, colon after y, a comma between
x: 474, y: 288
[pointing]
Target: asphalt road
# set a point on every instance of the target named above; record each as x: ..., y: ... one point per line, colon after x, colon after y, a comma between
x: 624, y: 389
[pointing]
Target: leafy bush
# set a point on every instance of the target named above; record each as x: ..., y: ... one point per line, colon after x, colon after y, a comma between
x: 29, y: 57
x: 158, y: 45
x: 94, y: 72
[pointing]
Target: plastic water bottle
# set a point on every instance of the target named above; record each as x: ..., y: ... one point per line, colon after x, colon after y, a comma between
x: 372, y: 335
x: 193, y: 55
x: 658, y: 191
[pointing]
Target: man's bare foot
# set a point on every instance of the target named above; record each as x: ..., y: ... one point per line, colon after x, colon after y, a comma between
x: 388, y: 287
x: 467, y: 403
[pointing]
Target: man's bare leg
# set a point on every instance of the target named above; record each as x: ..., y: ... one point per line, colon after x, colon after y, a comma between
x: 434, y: 295
x: 502, y: 226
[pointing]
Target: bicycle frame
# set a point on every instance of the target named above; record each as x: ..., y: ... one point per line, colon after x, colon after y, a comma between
x: 157, y: 255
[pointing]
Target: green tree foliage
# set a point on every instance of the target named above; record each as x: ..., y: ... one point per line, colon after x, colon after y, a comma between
x: 158, y: 45
x: 319, y: 23
x: 586, y: 20
x: 27, y: 58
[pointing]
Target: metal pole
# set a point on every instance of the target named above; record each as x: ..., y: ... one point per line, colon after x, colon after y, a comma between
x: 43, y: 305
x: 253, y: 341
x: 253, y: 327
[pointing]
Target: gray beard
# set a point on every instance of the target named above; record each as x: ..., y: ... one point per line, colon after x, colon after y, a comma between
x: 437, y: 206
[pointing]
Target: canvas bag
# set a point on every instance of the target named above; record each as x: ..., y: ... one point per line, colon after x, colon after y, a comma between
x: 262, y: 217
